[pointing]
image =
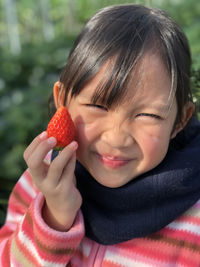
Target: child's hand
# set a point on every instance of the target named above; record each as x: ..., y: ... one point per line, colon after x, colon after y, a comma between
x: 56, y: 181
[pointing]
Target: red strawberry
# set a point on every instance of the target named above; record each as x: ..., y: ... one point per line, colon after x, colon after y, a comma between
x: 61, y: 127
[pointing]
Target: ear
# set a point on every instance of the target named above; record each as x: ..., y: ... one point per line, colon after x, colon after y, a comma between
x: 187, y: 113
x: 58, y: 94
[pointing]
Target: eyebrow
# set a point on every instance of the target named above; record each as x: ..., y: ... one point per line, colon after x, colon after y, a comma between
x: 161, y: 107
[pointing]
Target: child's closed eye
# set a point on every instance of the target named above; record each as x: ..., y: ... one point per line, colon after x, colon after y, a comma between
x: 155, y: 116
x: 96, y: 106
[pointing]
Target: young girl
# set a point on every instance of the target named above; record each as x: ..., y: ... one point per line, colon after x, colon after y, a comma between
x: 126, y: 191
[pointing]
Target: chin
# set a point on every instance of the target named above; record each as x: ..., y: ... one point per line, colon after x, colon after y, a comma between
x: 112, y: 182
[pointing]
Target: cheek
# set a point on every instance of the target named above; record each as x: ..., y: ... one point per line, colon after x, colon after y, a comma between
x: 154, y: 147
x: 86, y: 133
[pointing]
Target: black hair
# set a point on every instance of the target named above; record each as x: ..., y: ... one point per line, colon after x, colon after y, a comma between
x: 125, y: 33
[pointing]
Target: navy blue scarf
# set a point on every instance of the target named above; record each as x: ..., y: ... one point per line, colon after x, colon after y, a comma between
x: 149, y: 202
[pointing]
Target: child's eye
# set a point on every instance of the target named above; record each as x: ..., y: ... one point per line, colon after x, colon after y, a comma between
x: 150, y: 115
x: 97, y: 106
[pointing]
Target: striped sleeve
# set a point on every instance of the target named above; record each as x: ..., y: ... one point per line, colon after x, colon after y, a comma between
x: 26, y: 240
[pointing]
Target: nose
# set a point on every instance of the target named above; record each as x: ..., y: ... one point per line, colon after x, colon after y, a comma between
x: 118, y: 136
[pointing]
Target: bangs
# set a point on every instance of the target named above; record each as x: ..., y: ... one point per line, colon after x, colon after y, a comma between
x: 127, y: 72
x: 122, y: 71
x: 118, y: 75
x: 121, y: 66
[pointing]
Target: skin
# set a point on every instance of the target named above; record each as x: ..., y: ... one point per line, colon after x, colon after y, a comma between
x: 116, y: 145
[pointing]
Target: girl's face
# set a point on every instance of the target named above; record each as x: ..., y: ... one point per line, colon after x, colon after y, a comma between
x: 118, y: 144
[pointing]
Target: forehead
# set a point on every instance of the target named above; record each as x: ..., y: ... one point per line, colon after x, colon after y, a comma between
x: 148, y: 82
x: 152, y: 81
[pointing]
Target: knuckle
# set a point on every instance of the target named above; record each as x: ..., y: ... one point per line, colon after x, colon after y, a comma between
x: 32, y: 164
x: 56, y: 166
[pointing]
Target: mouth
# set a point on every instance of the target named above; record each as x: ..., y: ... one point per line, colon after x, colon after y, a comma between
x: 113, y: 162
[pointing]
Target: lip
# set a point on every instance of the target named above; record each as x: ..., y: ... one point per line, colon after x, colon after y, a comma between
x: 112, y: 161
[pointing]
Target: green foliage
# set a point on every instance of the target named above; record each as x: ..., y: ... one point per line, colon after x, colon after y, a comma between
x: 195, y: 85
x: 27, y: 81
x: 188, y: 18
x: 86, y: 8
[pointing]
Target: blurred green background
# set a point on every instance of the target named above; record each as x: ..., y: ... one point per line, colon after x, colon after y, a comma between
x: 36, y: 37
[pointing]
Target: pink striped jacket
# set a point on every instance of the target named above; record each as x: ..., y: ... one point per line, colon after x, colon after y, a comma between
x: 25, y: 239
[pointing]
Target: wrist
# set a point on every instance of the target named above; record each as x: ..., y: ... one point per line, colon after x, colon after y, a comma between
x: 57, y: 221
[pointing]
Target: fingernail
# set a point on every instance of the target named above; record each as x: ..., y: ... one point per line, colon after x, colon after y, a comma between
x: 43, y: 135
x: 73, y: 145
x: 52, y: 140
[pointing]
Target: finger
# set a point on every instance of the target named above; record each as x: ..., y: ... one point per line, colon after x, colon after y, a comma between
x: 36, y: 141
x: 36, y: 160
x: 68, y: 172
x: 61, y: 162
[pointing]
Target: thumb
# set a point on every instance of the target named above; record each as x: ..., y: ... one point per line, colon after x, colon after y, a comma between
x: 69, y: 169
